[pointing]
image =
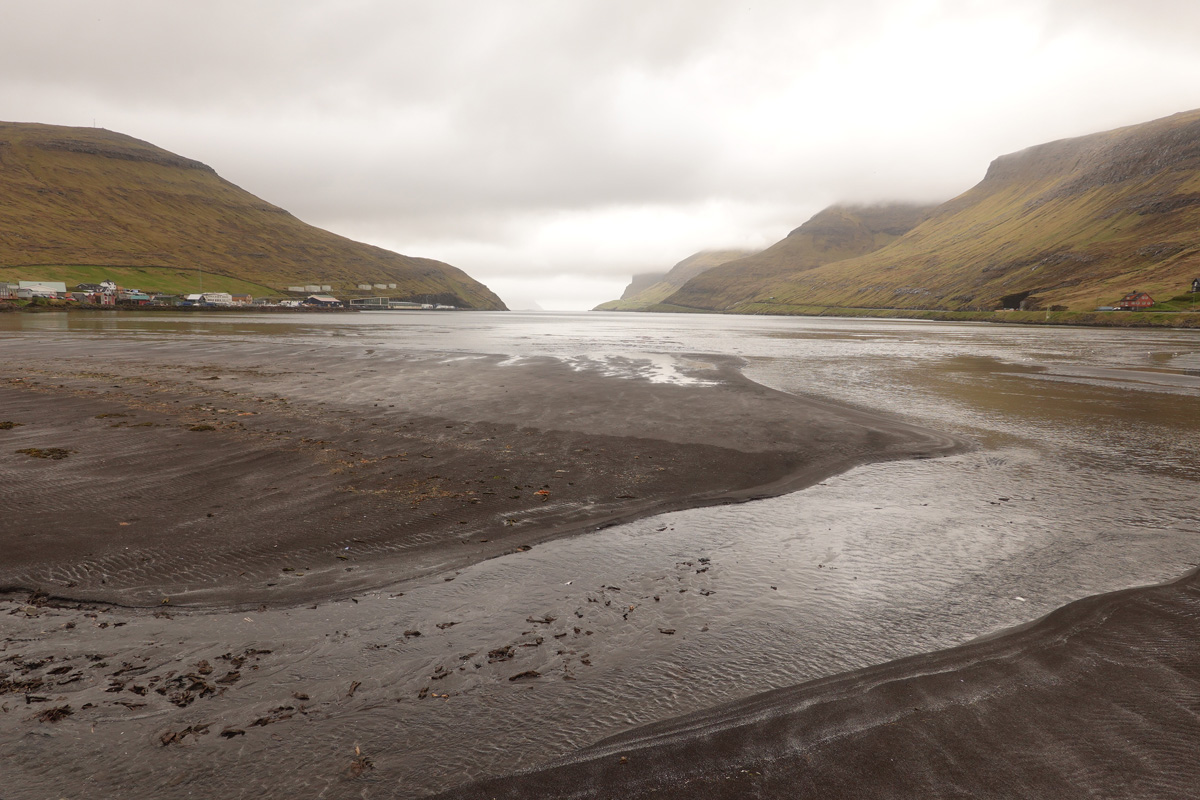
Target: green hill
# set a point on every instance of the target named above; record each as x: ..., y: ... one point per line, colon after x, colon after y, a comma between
x: 650, y: 288
x: 81, y: 204
x: 1071, y: 224
x: 837, y: 233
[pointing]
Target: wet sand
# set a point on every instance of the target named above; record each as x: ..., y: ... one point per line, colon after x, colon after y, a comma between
x: 1098, y: 699
x: 223, y: 585
x: 240, y: 474
x: 351, y: 684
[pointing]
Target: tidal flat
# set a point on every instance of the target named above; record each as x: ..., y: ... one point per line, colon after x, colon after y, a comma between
x: 388, y: 557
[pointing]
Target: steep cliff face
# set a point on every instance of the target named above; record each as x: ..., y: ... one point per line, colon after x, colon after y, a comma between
x: 835, y: 234
x: 650, y: 288
x: 640, y: 283
x: 90, y: 197
x: 1073, y: 223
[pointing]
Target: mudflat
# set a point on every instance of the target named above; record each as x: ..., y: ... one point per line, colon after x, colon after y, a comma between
x: 232, y: 566
x: 238, y: 474
x: 1098, y: 699
x: 255, y: 567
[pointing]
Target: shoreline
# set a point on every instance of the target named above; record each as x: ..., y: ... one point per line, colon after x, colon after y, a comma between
x: 1132, y: 320
x: 1176, y: 320
x: 60, y: 306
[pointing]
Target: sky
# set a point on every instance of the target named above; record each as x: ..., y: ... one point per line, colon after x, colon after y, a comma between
x: 554, y: 148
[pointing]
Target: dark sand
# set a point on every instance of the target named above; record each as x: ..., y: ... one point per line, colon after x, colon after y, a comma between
x: 1098, y: 699
x: 207, y: 595
x: 187, y: 612
x: 126, y: 670
x: 199, y: 473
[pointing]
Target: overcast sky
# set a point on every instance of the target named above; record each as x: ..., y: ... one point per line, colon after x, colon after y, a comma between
x: 552, y: 148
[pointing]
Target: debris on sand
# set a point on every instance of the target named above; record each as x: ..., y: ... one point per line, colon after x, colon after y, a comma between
x: 277, y: 714
x: 500, y: 654
x: 56, y: 453
x: 177, y: 737
x: 360, y: 764
x: 55, y: 714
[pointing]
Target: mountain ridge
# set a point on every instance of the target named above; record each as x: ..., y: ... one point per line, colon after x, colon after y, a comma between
x: 649, y: 288
x: 1064, y: 225
x: 89, y: 197
x: 833, y: 234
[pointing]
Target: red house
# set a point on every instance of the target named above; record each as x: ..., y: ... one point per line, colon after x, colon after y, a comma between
x: 1135, y: 301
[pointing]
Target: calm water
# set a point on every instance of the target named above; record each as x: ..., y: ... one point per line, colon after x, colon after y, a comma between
x: 1086, y: 478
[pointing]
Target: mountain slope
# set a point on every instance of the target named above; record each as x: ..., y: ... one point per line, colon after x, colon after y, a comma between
x: 837, y: 233
x: 650, y: 288
x: 1074, y: 223
x: 92, y: 197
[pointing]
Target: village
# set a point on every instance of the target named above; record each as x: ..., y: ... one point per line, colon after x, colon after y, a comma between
x: 109, y: 295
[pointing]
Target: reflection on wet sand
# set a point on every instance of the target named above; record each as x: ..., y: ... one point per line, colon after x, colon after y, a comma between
x: 1078, y: 487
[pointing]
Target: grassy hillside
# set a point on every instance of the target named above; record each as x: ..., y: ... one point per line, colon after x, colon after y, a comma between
x: 76, y: 199
x: 150, y: 279
x: 1071, y: 224
x: 837, y: 233
x: 652, y: 288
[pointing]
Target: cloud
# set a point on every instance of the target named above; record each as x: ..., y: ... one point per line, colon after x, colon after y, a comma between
x: 595, y: 138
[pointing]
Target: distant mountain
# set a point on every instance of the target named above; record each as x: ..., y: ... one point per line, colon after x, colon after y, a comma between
x: 837, y: 233
x: 1070, y: 224
x: 642, y: 282
x: 650, y: 288
x: 79, y: 199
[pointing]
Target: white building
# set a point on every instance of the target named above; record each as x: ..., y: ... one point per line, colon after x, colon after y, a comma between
x: 41, y: 287
x: 35, y: 289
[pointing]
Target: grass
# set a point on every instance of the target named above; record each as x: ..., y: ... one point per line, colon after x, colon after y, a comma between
x: 1077, y: 224
x: 1184, y: 302
x: 160, y: 280
x: 1104, y: 319
x: 107, y: 201
x: 673, y: 279
x: 642, y: 300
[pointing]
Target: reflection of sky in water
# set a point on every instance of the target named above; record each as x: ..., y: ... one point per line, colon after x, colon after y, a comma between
x: 1085, y: 480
